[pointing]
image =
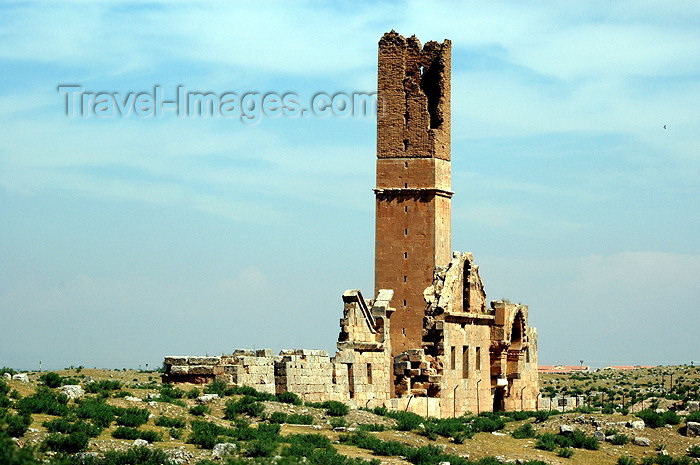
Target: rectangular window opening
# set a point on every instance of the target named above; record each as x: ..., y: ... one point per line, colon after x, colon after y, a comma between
x: 405, y: 278
x: 453, y: 357
x: 405, y: 232
x: 478, y: 359
x: 465, y: 362
x: 369, y: 373
x: 405, y: 255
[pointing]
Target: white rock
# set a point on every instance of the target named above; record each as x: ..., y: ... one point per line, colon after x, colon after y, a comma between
x: 23, y: 377
x: 73, y: 391
x: 7, y: 376
x: 692, y: 428
x: 139, y: 443
x: 640, y: 441
x: 638, y: 424
x: 223, y: 449
x: 206, y: 398
x: 132, y: 399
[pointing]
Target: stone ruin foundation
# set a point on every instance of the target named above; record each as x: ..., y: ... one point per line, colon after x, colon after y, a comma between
x: 429, y: 341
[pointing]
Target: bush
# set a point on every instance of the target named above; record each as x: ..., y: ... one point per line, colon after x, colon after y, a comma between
x: 168, y: 391
x: 626, y: 460
x: 167, y: 422
x: 695, y: 416
x: 338, y: 422
x: 656, y: 420
x: 216, y: 387
x: 125, y: 432
x: 487, y: 424
x: 278, y: 417
x: 303, y: 445
x: 541, y: 415
x: 546, y: 441
x: 247, y: 405
x: 192, y: 393
x: 620, y: 439
x: 135, y: 456
x: 581, y: 440
x: 300, y: 419
x: 565, y: 452
x: 289, y: 398
x: 406, y: 421
x: 62, y: 425
x: 132, y: 416
x: 200, y: 410
x: 176, y: 433
x: 100, y: 413
x: 102, y: 386
x: 335, y: 408
x: 371, y: 427
x: 51, y: 379
x: 523, y: 432
x: 43, y: 401
x: 694, y: 451
x: 205, y: 434
x: 70, y: 443
x: 261, y: 448
x: 17, y: 425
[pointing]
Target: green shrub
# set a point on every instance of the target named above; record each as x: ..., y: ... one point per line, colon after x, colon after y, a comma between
x: 99, y: 412
x: 338, y: 422
x: 460, y: 437
x: 192, y: 393
x: 121, y: 394
x: 205, y: 434
x: 289, y: 398
x: 43, y: 401
x: 487, y: 424
x: 176, y: 433
x: 135, y: 456
x: 126, y: 432
x: 695, y: 416
x: 371, y: 427
x: 132, y: 416
x: 300, y: 419
x: 620, y: 439
x: 51, y: 379
x: 626, y: 460
x: 546, y: 441
x: 565, y: 452
x: 406, y: 421
x: 581, y: 440
x: 382, y: 411
x: 694, y: 451
x: 167, y: 422
x: 200, y: 410
x: 278, y: 417
x: 9, y: 370
x: 541, y: 415
x: 523, y: 432
x: 62, y: 425
x: 168, y: 391
x: 70, y: 443
x: 103, y: 385
x: 16, y: 425
x: 335, y: 408
x: 216, y: 387
x: 260, y: 448
x: 303, y: 445
x: 247, y: 405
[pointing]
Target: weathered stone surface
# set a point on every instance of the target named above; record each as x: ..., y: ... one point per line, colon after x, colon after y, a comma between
x: 641, y: 441
x: 73, y: 391
x: 23, y: 377
x: 7, y: 376
x: 599, y: 436
x: 223, y: 450
x: 693, y: 406
x: 140, y: 443
x: 206, y: 398
x: 636, y: 424
x: 692, y: 429
x: 566, y: 429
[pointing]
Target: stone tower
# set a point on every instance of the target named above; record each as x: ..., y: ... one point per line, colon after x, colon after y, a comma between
x: 413, y: 177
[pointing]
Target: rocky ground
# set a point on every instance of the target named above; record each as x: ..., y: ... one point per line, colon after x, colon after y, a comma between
x: 142, y: 385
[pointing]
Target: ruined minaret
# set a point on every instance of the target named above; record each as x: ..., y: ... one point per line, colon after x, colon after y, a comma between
x: 413, y: 177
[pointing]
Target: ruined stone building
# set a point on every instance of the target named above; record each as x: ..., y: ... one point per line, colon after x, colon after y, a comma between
x: 428, y: 342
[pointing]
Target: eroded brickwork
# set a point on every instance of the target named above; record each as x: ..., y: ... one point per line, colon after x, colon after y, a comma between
x: 413, y: 176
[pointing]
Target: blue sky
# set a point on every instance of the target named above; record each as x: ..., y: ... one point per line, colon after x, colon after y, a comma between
x: 123, y: 240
